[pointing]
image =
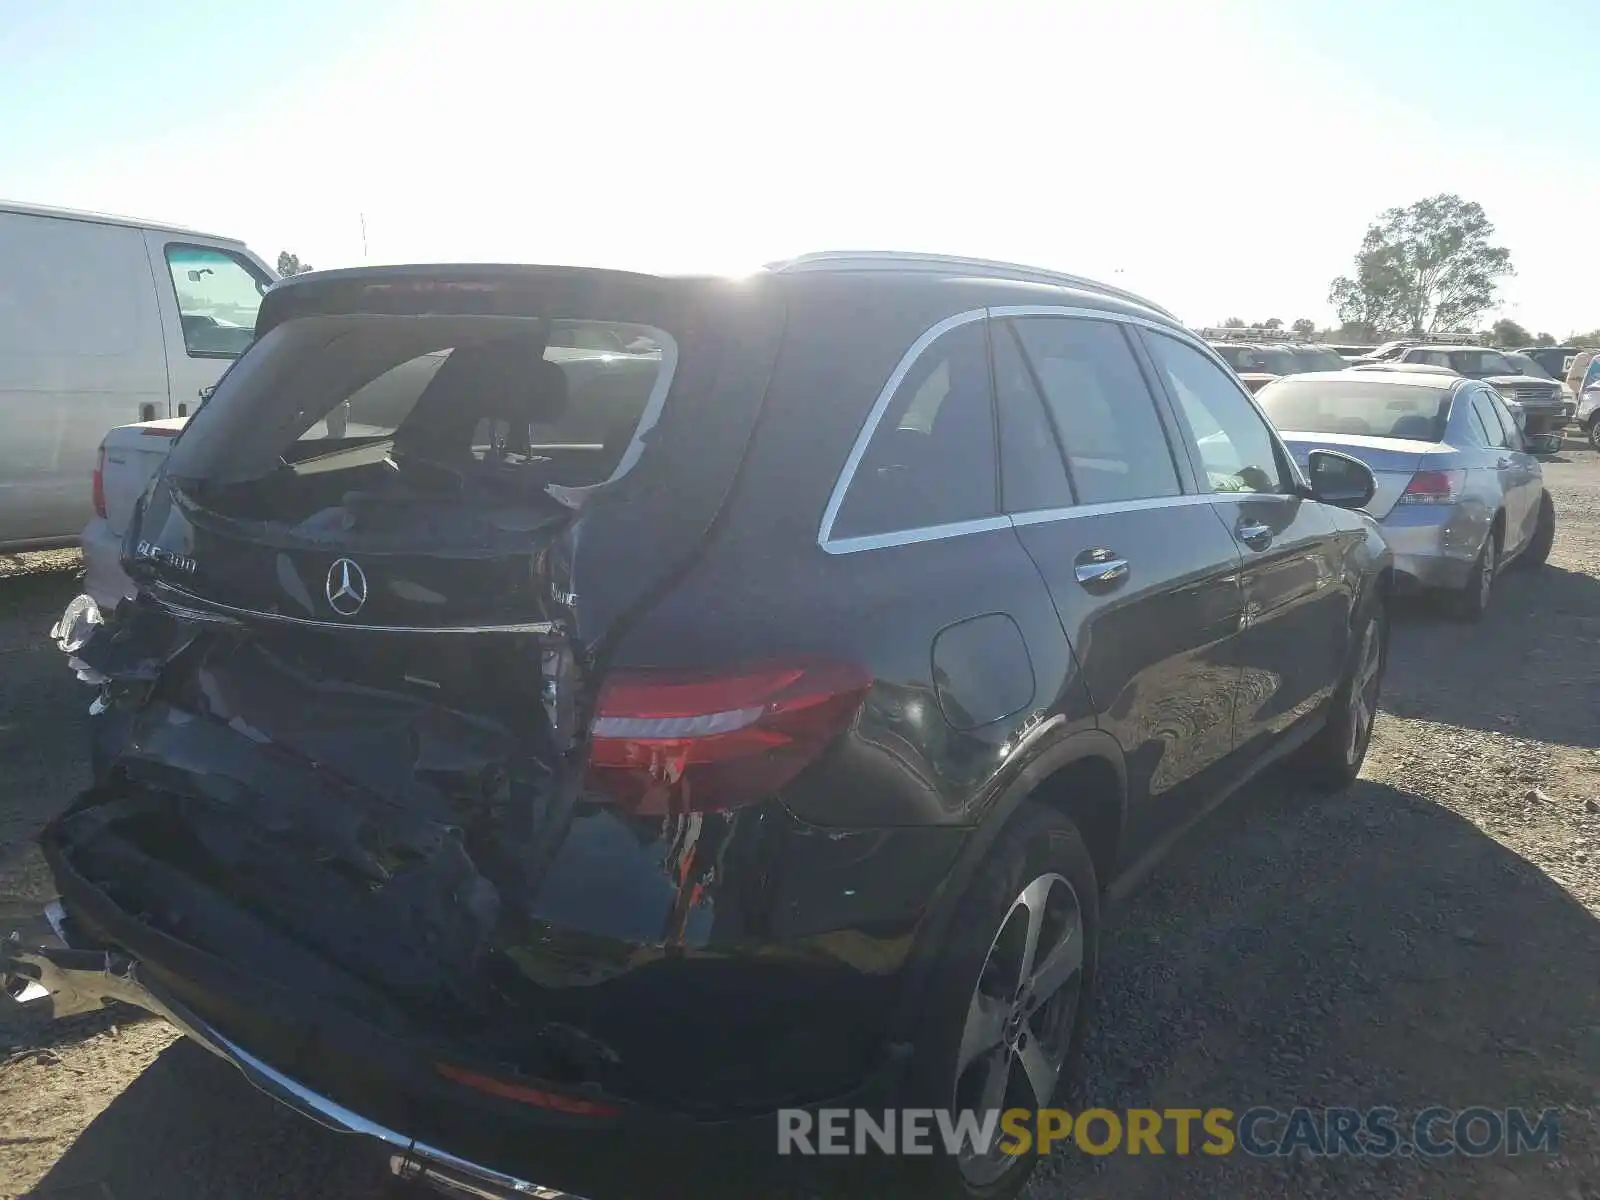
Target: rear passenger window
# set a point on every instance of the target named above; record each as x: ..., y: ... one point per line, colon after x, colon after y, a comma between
x: 931, y: 460
x: 1102, y: 411
x: 1235, y: 446
x: 1483, y: 408
x: 1508, y: 424
x: 1032, y: 476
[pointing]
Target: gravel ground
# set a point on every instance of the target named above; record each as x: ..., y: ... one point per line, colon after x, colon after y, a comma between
x: 1428, y: 937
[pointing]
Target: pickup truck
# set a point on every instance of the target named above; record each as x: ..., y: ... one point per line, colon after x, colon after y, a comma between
x: 130, y: 455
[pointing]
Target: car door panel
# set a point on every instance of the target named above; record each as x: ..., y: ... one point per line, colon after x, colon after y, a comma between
x: 1291, y: 646
x: 1146, y: 586
x: 1154, y: 648
x: 1295, y: 606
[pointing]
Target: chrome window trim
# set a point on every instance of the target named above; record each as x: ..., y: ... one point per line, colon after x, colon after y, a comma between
x: 869, y: 427
x: 930, y: 533
x: 906, y: 537
x: 1044, y: 516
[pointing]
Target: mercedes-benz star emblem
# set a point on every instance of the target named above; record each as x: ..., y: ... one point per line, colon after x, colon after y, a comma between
x: 346, y: 588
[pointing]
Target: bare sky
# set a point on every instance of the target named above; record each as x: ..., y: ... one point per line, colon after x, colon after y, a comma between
x: 1222, y: 157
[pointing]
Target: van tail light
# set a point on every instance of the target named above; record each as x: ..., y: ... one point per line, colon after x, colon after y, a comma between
x: 672, y: 741
x: 99, y: 483
x: 1434, y: 487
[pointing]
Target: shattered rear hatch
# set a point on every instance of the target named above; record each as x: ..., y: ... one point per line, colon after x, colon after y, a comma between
x: 342, y: 733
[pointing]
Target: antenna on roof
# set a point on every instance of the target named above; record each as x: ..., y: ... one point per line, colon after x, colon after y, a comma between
x: 363, y: 217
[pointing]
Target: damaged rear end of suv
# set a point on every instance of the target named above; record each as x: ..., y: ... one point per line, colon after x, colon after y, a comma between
x: 383, y: 809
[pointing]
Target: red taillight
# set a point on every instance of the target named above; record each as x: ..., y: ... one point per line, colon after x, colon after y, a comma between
x: 506, y: 1090
x: 100, y: 484
x: 671, y: 741
x: 1434, y: 487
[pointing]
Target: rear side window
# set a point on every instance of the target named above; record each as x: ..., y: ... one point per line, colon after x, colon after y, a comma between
x: 1483, y: 409
x: 931, y: 460
x: 218, y: 297
x: 1508, y: 423
x: 1102, y: 411
x: 1236, y: 448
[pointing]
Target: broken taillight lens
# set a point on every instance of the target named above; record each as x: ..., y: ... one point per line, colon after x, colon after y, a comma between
x: 99, y: 483
x: 672, y: 741
x: 1434, y: 487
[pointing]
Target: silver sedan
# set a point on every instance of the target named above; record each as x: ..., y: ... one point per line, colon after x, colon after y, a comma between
x: 1458, y: 496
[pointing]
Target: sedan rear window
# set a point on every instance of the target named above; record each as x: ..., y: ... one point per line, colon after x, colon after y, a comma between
x: 1357, y: 408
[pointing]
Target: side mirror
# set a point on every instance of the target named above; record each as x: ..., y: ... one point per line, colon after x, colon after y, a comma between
x: 1340, y: 480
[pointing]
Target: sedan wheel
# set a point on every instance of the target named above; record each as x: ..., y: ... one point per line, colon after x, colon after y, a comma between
x: 1022, y: 1014
x: 1472, y: 601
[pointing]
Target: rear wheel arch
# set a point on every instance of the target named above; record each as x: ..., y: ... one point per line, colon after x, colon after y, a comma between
x: 1084, y: 776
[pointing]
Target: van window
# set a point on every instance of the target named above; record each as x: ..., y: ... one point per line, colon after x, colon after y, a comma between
x: 218, y: 297
x: 931, y: 458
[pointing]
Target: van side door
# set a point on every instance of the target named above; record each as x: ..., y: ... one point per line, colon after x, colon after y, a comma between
x: 80, y: 352
x: 209, y: 294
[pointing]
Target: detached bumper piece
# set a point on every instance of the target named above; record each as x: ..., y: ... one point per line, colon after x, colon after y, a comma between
x: 40, y: 971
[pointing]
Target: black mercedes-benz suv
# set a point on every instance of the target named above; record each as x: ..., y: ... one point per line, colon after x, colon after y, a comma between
x: 659, y: 702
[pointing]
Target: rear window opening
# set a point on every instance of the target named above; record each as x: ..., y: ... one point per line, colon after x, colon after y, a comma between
x: 488, y: 409
x: 1378, y: 409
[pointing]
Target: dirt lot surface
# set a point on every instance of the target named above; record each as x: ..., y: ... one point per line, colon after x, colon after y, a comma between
x: 1427, y: 938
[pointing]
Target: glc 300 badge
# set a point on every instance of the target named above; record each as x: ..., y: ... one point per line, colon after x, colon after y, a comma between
x: 346, y: 588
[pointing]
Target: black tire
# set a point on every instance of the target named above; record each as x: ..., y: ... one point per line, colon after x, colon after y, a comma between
x: 1331, y: 760
x: 1537, y: 552
x: 1592, y: 431
x: 1471, y: 601
x: 1037, y: 843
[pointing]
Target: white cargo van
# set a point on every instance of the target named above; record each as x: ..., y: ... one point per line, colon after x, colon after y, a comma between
x: 103, y: 321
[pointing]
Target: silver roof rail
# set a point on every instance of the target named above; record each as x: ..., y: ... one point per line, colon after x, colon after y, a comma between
x: 898, y: 260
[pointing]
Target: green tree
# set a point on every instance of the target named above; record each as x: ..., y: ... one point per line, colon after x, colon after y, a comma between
x: 1233, y: 323
x: 1304, y: 325
x: 290, y: 264
x: 1544, y: 339
x: 1507, y: 332
x: 1272, y: 323
x: 1585, y: 341
x: 1423, y: 268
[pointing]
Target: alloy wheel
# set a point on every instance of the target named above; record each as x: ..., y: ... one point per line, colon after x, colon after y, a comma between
x: 1021, y: 1016
x: 1364, y: 690
x: 1486, y: 572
